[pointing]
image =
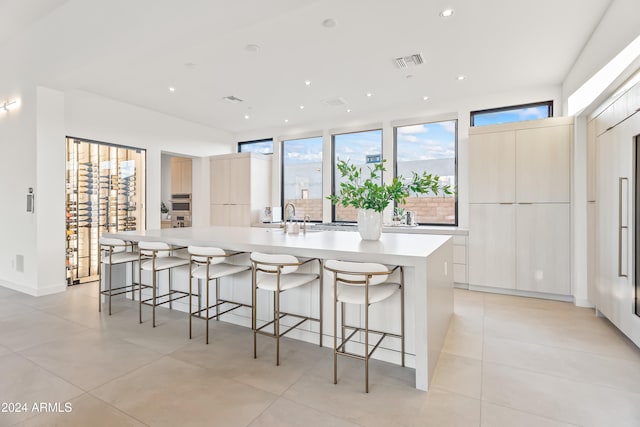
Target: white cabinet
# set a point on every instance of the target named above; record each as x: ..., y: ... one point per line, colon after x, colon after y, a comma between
x: 615, y: 226
x: 181, y: 175
x: 240, y: 188
x: 519, y: 211
x: 492, y: 245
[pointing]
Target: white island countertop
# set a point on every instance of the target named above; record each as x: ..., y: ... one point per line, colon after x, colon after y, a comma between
x: 427, y: 261
x: 392, y: 248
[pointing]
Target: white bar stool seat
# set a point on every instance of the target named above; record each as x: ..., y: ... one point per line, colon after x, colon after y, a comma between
x: 278, y: 273
x: 362, y: 284
x: 210, y: 263
x: 156, y: 257
x: 115, y: 252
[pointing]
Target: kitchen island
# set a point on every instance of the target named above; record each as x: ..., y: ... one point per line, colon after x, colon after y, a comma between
x: 428, y: 261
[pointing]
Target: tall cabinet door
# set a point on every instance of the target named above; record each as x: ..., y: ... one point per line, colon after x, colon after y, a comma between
x: 543, y: 159
x: 492, y: 245
x: 492, y: 167
x: 543, y: 248
x: 614, y: 223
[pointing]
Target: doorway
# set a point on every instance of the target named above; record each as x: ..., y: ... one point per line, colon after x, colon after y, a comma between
x: 105, y: 192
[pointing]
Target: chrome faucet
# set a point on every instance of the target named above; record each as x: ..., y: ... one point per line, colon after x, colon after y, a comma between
x: 286, y: 214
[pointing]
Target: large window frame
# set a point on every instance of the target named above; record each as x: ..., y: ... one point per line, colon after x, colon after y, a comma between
x: 395, y: 166
x: 334, y: 178
x: 254, y: 142
x: 282, y: 174
x: 548, y: 104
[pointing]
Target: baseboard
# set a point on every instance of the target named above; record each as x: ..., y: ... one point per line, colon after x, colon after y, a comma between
x: 515, y: 292
x: 583, y: 302
x: 35, y: 292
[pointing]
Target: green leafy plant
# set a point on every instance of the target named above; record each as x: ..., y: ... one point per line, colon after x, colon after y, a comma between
x: 367, y: 192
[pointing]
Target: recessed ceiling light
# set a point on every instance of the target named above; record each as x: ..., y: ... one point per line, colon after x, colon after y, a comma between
x: 425, y: 98
x: 348, y: 110
x: 369, y: 95
x: 286, y: 120
x: 329, y: 23
x: 446, y: 13
x: 302, y: 107
x: 172, y: 89
x: 246, y: 116
x: 252, y: 48
x: 307, y: 82
x: 461, y: 77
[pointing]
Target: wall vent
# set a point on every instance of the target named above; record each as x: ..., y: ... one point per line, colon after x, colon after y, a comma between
x: 335, y: 102
x: 403, y: 62
x: 233, y: 99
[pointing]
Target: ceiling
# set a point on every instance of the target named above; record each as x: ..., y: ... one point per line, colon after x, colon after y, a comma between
x: 133, y: 51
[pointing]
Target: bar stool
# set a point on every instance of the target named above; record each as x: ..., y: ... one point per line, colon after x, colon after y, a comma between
x: 210, y: 264
x: 114, y: 252
x: 357, y: 283
x: 155, y: 257
x: 277, y: 273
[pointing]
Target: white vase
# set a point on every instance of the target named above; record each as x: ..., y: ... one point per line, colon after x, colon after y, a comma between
x: 369, y: 224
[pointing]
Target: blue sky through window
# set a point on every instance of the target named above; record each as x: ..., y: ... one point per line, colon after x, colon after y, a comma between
x: 307, y: 150
x: 262, y: 147
x: 426, y: 141
x: 510, y: 116
x: 356, y: 146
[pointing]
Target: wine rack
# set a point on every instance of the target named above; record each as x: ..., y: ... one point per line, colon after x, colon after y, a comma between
x: 104, y: 193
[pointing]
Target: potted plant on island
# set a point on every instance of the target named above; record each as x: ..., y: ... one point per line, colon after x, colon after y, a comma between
x: 370, y: 196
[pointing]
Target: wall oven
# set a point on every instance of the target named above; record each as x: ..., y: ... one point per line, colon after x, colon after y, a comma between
x: 180, y: 203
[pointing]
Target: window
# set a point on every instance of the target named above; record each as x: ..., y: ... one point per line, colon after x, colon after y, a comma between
x: 431, y: 148
x: 262, y: 146
x: 516, y: 113
x: 360, y: 149
x: 302, y: 176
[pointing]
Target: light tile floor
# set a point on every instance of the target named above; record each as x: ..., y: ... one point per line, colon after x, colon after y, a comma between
x: 507, y: 361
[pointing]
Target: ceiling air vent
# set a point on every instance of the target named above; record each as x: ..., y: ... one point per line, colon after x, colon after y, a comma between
x: 233, y: 99
x: 403, y: 62
x: 335, y: 102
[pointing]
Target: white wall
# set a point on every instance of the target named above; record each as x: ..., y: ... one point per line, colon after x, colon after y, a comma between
x: 33, y: 138
x: 50, y: 192
x: 619, y: 27
x: 18, y: 172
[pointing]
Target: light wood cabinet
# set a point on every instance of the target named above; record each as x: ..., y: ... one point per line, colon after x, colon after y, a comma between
x: 543, y: 164
x: 519, y: 211
x: 492, y: 166
x: 492, y: 245
x: 181, y: 175
x: 543, y: 248
x: 240, y: 188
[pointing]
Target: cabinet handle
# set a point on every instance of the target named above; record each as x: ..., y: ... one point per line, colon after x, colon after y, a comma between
x: 623, y: 221
x: 506, y: 203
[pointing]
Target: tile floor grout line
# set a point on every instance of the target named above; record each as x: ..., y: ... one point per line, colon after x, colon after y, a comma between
x: 546, y: 417
x: 563, y: 378
x: 562, y: 348
x: 117, y: 409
